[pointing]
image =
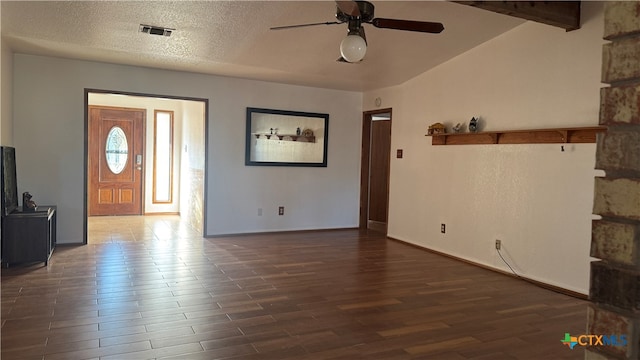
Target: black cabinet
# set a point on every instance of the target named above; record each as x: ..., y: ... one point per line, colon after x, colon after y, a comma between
x: 29, y: 236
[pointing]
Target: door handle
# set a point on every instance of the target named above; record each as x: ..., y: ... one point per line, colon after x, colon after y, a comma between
x: 138, y: 160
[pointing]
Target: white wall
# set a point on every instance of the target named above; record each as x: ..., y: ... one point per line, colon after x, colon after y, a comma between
x: 49, y: 139
x: 193, y: 164
x: 535, y: 198
x: 6, y: 96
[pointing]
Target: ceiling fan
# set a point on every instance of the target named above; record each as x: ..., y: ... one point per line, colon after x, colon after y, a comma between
x: 355, y: 13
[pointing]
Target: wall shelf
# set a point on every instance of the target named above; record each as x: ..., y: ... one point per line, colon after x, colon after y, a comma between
x: 536, y: 136
x: 284, y: 137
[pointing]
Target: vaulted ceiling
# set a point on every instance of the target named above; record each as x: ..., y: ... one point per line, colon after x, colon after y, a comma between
x: 232, y: 38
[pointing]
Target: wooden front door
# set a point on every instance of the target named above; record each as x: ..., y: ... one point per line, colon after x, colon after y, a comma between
x: 116, y: 143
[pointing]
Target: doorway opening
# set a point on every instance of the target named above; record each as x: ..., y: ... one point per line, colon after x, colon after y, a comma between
x: 147, y: 149
x: 374, y: 173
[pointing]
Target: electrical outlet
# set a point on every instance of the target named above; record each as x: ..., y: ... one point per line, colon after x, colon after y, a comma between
x: 443, y: 228
x: 281, y: 210
x: 498, y: 244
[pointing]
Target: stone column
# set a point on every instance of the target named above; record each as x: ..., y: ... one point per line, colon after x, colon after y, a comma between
x: 615, y: 278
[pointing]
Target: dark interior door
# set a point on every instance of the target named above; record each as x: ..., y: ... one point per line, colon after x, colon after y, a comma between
x: 116, y: 140
x: 379, y: 174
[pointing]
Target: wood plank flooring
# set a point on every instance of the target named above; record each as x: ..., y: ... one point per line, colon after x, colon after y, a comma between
x: 151, y: 288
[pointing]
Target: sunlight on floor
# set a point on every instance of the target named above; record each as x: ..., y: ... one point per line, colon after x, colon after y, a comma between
x: 103, y: 229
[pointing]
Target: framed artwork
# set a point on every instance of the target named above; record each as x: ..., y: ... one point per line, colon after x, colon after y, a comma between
x: 286, y: 138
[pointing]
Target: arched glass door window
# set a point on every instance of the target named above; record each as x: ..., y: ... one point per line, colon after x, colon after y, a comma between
x: 116, y: 150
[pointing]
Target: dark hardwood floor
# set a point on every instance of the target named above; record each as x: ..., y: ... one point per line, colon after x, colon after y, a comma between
x: 149, y: 287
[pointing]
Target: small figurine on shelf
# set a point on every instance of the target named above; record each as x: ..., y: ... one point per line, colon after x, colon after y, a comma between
x: 298, y: 131
x: 457, y: 128
x: 27, y: 203
x: 436, y: 128
x: 474, y: 124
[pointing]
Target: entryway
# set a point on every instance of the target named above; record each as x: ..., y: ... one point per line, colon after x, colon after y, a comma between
x: 374, y: 175
x: 169, y: 229
x: 145, y: 155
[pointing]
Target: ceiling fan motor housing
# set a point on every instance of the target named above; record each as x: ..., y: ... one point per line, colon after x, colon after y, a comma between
x: 366, y: 12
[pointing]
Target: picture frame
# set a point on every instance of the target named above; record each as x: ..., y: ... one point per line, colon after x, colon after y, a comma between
x: 286, y: 138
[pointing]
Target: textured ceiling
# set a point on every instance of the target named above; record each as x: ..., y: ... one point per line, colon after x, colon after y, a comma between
x: 232, y: 38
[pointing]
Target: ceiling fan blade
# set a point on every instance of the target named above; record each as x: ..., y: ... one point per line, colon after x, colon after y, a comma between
x: 304, y: 25
x: 408, y: 25
x: 349, y: 7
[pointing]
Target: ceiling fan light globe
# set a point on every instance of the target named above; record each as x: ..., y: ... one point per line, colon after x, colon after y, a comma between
x: 353, y: 48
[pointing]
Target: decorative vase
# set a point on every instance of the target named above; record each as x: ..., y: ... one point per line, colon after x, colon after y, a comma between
x: 473, y: 124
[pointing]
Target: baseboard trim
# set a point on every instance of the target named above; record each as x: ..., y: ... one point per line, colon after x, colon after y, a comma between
x: 541, y: 284
x: 276, y: 232
x: 69, y: 244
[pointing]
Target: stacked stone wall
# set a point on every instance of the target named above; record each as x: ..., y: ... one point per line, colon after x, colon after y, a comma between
x: 615, y: 278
